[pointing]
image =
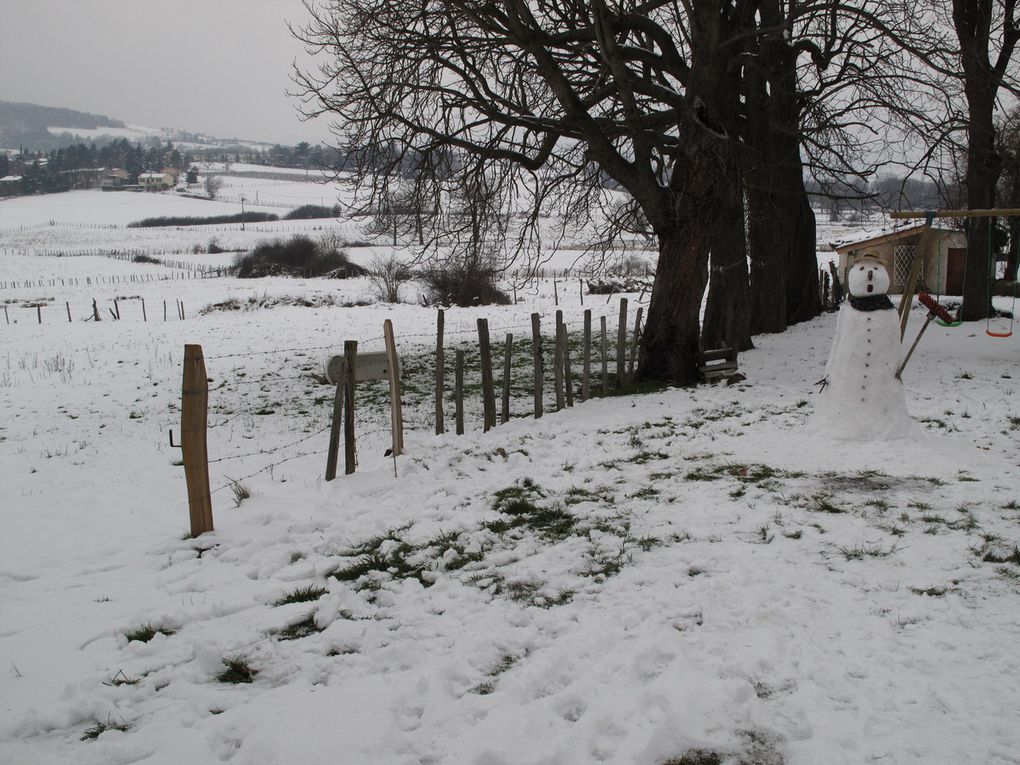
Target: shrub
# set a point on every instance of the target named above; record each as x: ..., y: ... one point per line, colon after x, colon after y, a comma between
x: 306, y: 212
x: 299, y: 256
x: 464, y: 281
x: 387, y: 274
x: 146, y: 259
x: 191, y: 220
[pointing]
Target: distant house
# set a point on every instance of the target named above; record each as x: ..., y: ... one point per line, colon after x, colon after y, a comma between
x: 114, y: 178
x: 157, y: 181
x: 10, y: 185
x: 896, y: 248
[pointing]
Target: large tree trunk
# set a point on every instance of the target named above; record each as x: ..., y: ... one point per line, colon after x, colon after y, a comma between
x: 983, y: 167
x: 669, y: 345
x: 728, y: 308
x: 784, y: 267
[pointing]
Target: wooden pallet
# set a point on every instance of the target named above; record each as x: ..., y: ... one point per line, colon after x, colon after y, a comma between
x: 718, y: 364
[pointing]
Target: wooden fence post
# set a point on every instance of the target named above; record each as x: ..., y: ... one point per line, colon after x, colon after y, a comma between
x: 194, y: 420
x: 507, y: 359
x: 556, y: 292
x: 536, y: 351
x: 488, y: 392
x: 95, y: 311
x: 396, y: 409
x: 458, y: 393
x: 440, y: 374
x: 580, y: 288
x: 634, y: 346
x: 605, y: 357
x: 38, y: 313
x: 558, y: 362
x: 568, y: 377
x: 586, y: 358
x: 67, y: 304
x: 621, y: 345
x: 144, y: 317
x: 350, y: 369
x: 334, y: 430
x: 164, y: 309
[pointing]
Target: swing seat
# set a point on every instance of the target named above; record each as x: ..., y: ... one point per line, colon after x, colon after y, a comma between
x: 998, y: 334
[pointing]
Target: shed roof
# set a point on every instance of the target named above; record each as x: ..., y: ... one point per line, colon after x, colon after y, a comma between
x: 882, y: 235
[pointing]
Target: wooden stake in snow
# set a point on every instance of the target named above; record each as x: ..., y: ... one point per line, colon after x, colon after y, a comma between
x: 194, y: 419
x: 507, y: 358
x: 605, y: 357
x: 67, y: 305
x: 458, y: 393
x: 350, y: 370
x: 536, y: 350
x: 586, y: 358
x: 558, y: 362
x: 95, y: 311
x: 488, y: 392
x: 621, y: 345
x: 334, y: 431
x: 440, y: 374
x: 568, y: 377
x: 393, y: 375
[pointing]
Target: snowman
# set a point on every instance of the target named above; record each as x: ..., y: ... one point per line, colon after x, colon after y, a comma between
x: 861, y: 398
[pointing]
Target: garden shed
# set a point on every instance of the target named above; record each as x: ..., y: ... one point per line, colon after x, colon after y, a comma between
x: 896, y: 247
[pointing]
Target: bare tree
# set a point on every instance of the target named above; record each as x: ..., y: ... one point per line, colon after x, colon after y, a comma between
x: 213, y: 184
x: 547, y: 102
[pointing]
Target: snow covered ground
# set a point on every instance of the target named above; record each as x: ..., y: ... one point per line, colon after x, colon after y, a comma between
x: 683, y: 576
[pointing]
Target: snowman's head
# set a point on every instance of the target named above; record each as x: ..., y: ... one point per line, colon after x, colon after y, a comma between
x: 868, y: 277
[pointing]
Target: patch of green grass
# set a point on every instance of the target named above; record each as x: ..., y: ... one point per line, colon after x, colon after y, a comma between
x: 237, y: 670
x: 1011, y: 505
x: 931, y: 592
x: 647, y: 543
x: 147, y: 632
x: 860, y: 552
x: 964, y: 477
x: 298, y: 630
x: 643, y: 457
x: 519, y: 509
x: 646, y: 493
x: 881, y: 505
x: 302, y: 595
x: 1012, y: 557
x: 702, y: 475
x: 822, y: 503
x: 918, y: 504
x: 99, y: 727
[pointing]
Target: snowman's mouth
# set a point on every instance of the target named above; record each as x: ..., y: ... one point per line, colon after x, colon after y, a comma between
x: 871, y: 288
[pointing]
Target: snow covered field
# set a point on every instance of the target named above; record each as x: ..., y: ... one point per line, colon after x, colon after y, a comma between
x: 683, y: 576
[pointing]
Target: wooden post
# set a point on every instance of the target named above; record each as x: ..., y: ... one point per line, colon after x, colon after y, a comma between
x: 605, y: 357
x: 38, y: 312
x: 568, y: 377
x: 350, y: 370
x: 95, y: 311
x: 634, y: 345
x: 556, y: 292
x: 67, y: 304
x: 488, y: 392
x: 144, y: 317
x: 7, y: 317
x: 458, y: 393
x: 586, y: 358
x: 507, y: 358
x: 194, y: 420
x: 440, y: 374
x: 182, y: 309
x: 536, y: 351
x: 621, y: 345
x: 558, y: 362
x: 164, y: 310
x: 334, y: 430
x: 396, y: 409
x: 116, y: 309
x: 580, y: 288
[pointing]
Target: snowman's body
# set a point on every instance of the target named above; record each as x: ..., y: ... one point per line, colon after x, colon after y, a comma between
x: 862, y: 398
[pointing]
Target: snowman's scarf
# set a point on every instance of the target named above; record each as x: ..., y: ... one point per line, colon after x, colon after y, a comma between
x: 871, y: 302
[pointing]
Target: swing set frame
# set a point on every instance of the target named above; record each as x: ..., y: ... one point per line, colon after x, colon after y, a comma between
x: 924, y: 245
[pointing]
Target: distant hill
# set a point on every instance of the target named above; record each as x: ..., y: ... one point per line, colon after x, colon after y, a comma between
x: 26, y: 124
x: 41, y: 128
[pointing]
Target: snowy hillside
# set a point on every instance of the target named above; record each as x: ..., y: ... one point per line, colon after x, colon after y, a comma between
x: 681, y: 576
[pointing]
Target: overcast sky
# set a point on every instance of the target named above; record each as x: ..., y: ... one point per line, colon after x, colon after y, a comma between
x: 213, y: 66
